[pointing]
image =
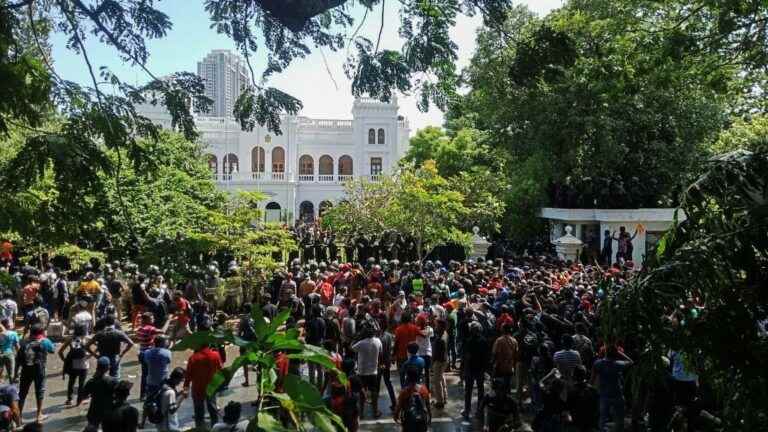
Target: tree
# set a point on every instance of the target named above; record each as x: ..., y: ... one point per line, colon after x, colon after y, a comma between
x: 747, y: 134
x: 704, y: 292
x: 589, y: 109
x: 416, y: 202
x: 285, y: 402
x: 470, y: 167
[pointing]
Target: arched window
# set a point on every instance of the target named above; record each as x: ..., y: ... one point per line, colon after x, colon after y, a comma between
x: 272, y: 212
x: 230, y: 164
x: 257, y: 159
x: 268, y: 139
x: 371, y: 136
x: 324, y: 207
x: 306, y: 165
x: 307, y: 211
x: 345, y: 165
x: 381, y: 136
x: 278, y: 159
x: 325, y: 165
x: 213, y: 164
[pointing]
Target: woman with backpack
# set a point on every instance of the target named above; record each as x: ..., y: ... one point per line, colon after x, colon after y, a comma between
x: 413, y: 410
x: 75, y: 361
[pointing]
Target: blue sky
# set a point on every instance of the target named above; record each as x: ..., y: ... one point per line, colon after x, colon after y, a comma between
x: 307, y: 79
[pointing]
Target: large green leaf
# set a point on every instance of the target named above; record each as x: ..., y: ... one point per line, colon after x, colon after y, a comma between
x: 303, y: 392
x: 265, y: 422
x: 321, y: 359
x: 279, y: 320
x: 195, y: 341
x: 322, y: 422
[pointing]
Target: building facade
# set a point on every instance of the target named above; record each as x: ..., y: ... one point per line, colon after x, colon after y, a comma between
x: 303, y: 170
x: 226, y: 75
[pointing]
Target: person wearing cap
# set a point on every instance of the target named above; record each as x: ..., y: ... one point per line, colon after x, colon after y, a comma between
x: 100, y: 388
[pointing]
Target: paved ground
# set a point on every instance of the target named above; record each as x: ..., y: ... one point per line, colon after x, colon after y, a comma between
x: 64, y: 419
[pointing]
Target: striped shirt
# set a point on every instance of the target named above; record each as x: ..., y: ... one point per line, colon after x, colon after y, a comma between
x: 145, y: 336
x: 566, y: 361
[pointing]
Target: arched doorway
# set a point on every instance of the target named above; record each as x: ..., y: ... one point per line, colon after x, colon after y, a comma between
x: 272, y: 212
x: 307, y: 211
x: 230, y: 165
x: 325, y: 168
x: 324, y: 207
x: 257, y: 160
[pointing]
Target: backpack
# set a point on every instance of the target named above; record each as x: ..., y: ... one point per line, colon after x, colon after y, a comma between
x: 32, y: 353
x: 76, y: 349
x: 247, y: 331
x: 160, y: 311
x: 153, y: 406
x: 415, y: 417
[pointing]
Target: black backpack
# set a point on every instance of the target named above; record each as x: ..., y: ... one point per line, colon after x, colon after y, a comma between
x: 153, y: 406
x: 76, y: 349
x: 415, y: 417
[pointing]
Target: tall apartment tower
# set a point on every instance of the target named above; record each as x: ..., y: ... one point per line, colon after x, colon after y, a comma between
x: 226, y: 75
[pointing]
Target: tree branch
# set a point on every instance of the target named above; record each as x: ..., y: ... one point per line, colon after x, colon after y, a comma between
x: 381, y: 27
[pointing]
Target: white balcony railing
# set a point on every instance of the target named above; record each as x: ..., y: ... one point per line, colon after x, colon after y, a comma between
x: 306, y: 177
x: 374, y: 177
x: 246, y: 177
x: 257, y: 175
x: 345, y: 177
x: 325, y: 178
x: 278, y: 176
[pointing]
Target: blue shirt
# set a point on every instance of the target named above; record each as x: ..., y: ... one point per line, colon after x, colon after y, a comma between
x: 418, y: 363
x: 679, y: 371
x: 8, y: 340
x: 158, y: 361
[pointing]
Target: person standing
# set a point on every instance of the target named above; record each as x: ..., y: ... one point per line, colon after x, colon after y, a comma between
x: 315, y: 335
x: 475, y: 361
x: 405, y: 334
x: 123, y: 417
x: 201, y: 367
x: 100, y: 388
x: 567, y: 360
x: 170, y: 401
x: 109, y: 343
x: 505, y: 356
x: 9, y: 346
x: 439, y: 364
x: 145, y: 336
x: 9, y: 308
x: 413, y: 411
x: 368, y: 350
x: 385, y: 362
x: 75, y: 361
x: 609, y: 373
x: 424, y: 340
x: 158, y: 362
x: 32, y: 358
x: 246, y: 330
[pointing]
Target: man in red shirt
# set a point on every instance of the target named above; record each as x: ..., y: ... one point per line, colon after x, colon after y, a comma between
x: 201, y: 367
x: 405, y: 333
x: 182, y: 317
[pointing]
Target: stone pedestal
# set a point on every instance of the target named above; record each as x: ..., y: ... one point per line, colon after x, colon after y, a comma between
x: 568, y: 247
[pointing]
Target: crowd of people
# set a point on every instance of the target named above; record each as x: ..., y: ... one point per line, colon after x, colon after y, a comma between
x: 522, y: 336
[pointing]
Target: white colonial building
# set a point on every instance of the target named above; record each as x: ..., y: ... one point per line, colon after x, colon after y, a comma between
x: 302, y: 171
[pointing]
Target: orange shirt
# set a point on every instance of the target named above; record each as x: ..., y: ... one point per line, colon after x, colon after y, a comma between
x: 29, y: 293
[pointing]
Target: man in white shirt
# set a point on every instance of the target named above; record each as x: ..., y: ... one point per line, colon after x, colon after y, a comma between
x: 8, y: 308
x: 169, y: 403
x: 368, y: 350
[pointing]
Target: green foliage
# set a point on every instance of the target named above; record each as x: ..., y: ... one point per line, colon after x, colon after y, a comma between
x: 704, y: 293
x: 470, y: 167
x: 751, y: 134
x: 283, y: 398
x: 416, y: 202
